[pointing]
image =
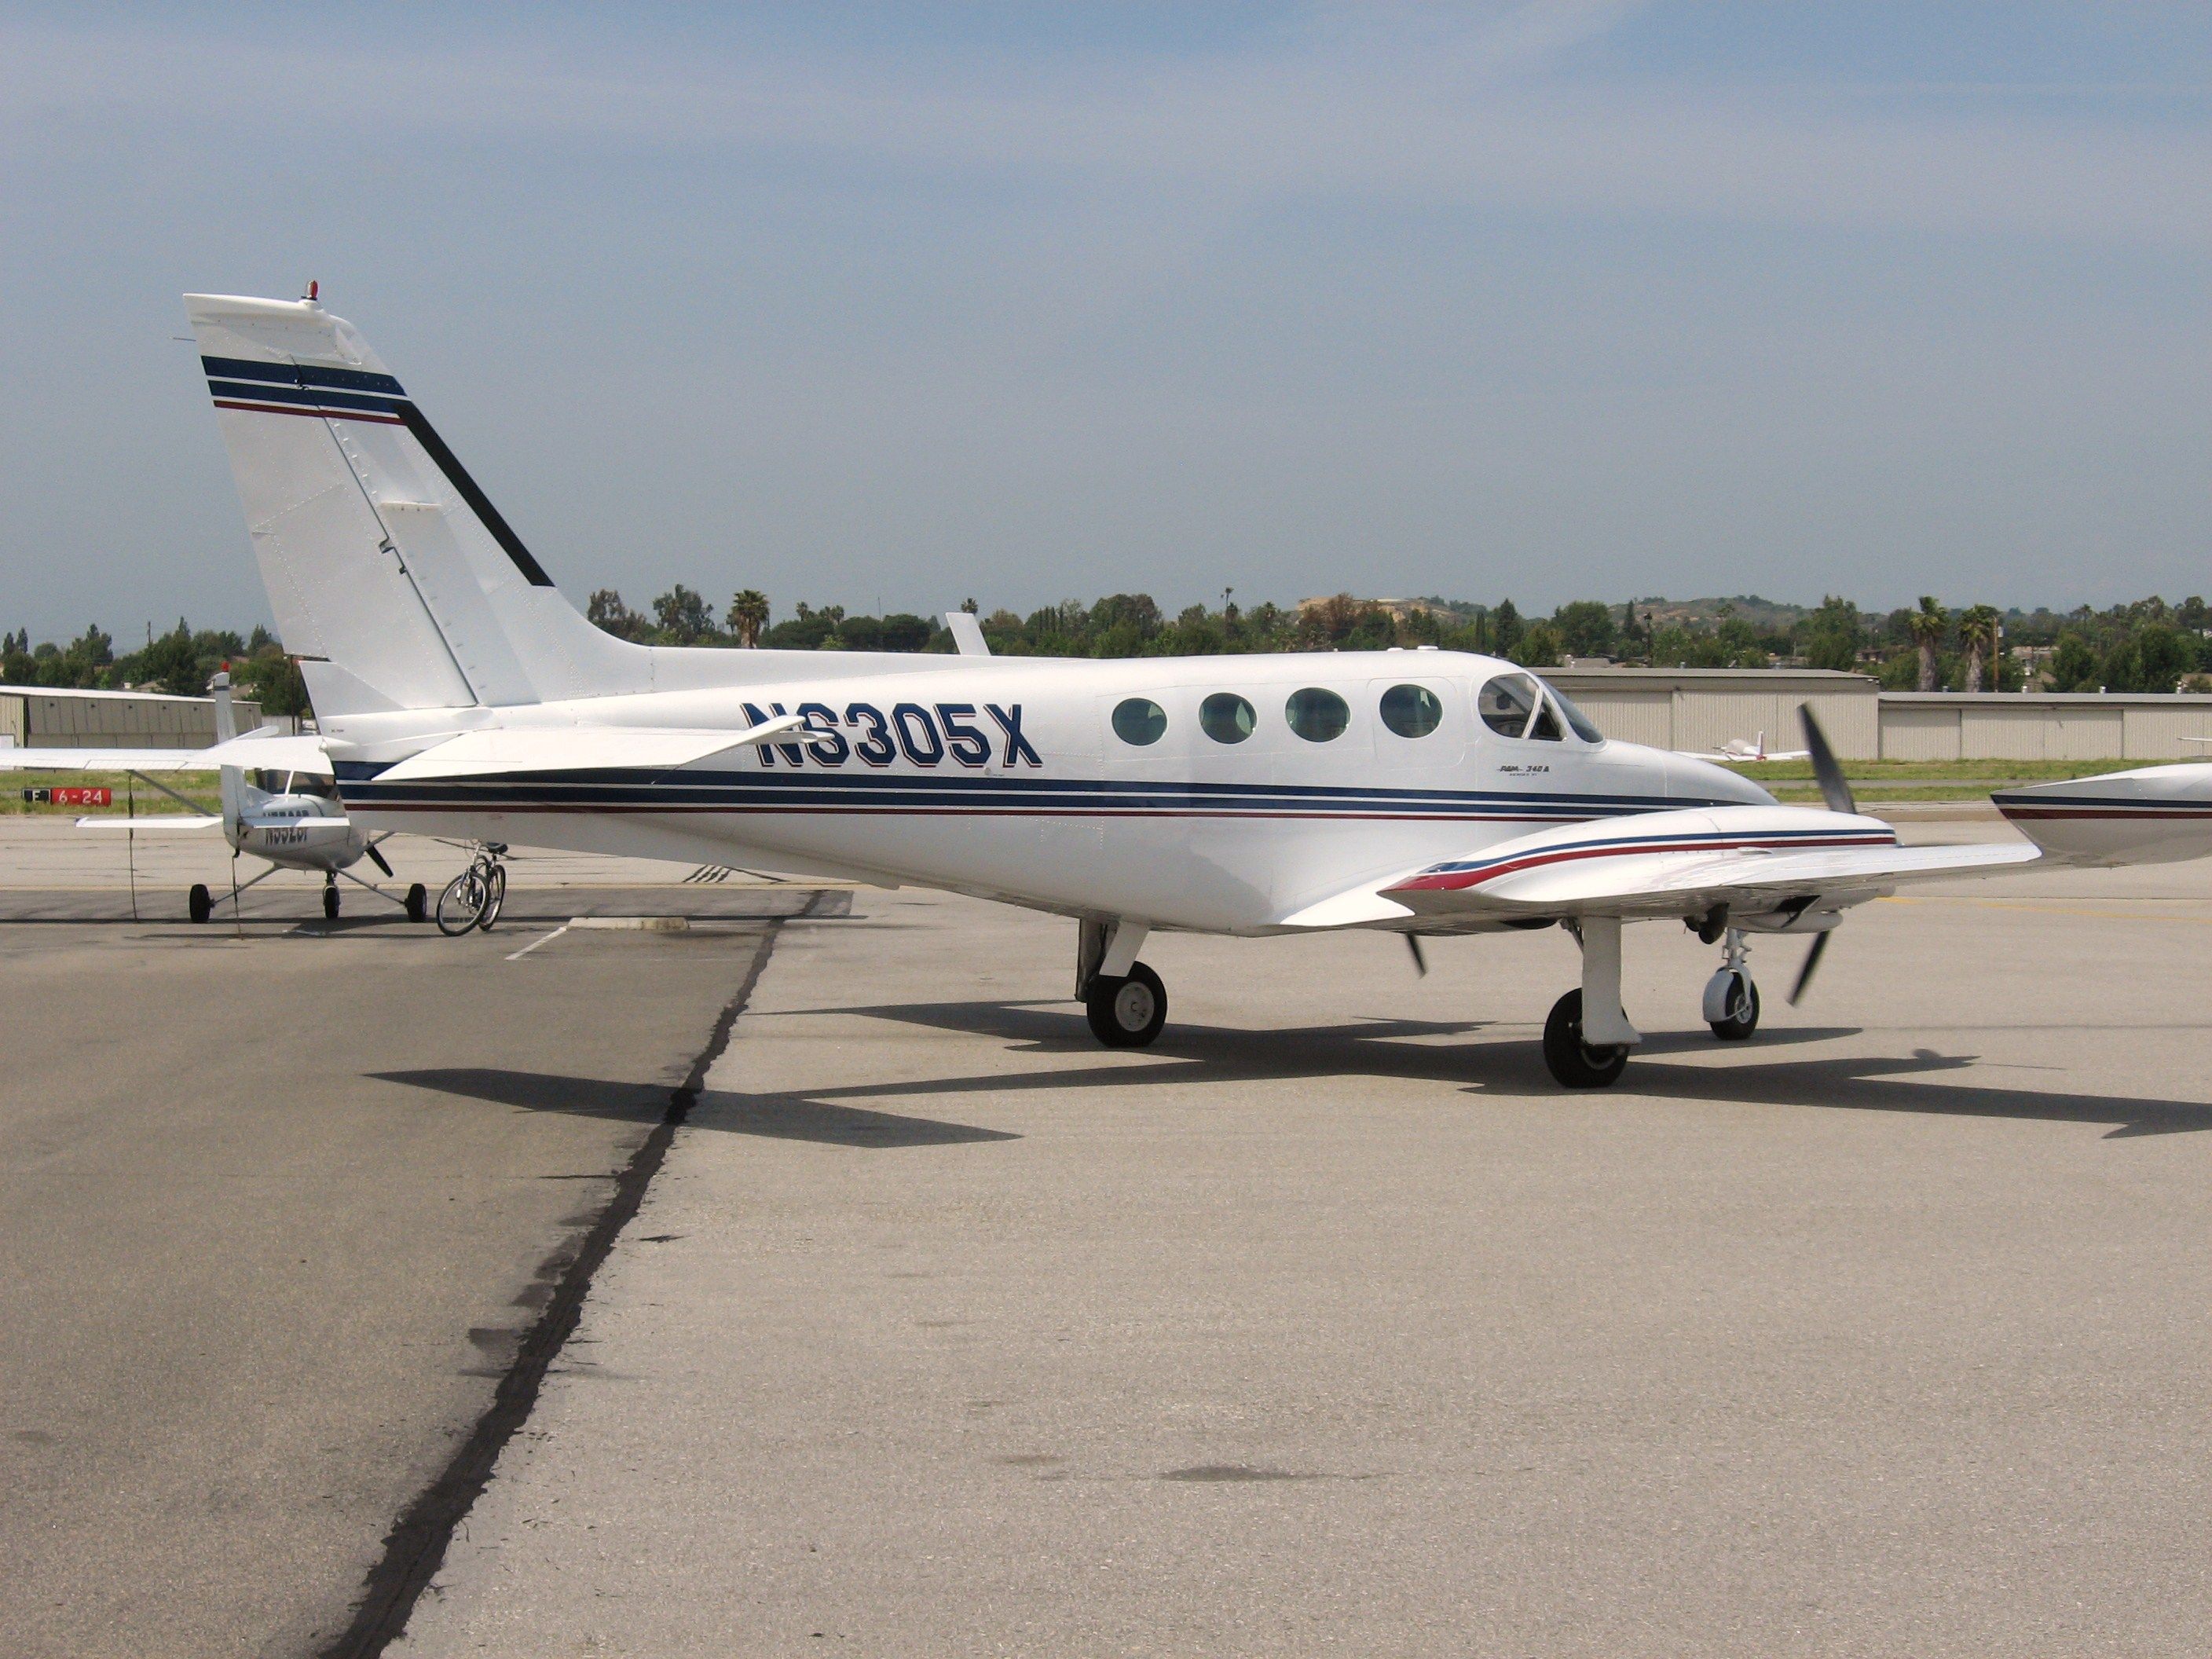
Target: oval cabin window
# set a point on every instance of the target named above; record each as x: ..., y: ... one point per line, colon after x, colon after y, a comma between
x: 1139, y: 721
x: 1412, y: 711
x: 1226, y: 717
x: 1317, y: 715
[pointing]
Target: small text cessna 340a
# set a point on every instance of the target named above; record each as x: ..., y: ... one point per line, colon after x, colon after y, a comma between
x: 460, y: 695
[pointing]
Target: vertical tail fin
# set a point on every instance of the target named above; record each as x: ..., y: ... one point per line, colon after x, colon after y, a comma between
x: 225, y: 727
x: 392, y: 577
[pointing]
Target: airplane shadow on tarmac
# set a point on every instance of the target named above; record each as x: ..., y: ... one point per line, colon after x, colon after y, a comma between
x: 1187, y: 1055
x: 776, y: 1117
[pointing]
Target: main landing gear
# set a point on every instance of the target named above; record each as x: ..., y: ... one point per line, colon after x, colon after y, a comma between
x: 1588, y: 1036
x: 1122, y: 999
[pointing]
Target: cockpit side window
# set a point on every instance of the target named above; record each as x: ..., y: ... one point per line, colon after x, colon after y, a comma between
x: 1506, y: 704
x: 1579, y: 723
x: 1545, y: 727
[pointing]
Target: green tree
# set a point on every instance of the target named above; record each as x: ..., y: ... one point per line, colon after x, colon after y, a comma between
x: 1928, y: 627
x: 1979, y: 629
x: 748, y: 616
x: 681, y: 616
x: 607, y: 611
x: 1585, y: 628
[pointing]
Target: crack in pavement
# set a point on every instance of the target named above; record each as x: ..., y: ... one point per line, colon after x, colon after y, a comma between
x: 415, y: 1546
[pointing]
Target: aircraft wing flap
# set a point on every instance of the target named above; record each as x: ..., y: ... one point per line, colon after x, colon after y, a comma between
x: 575, y: 749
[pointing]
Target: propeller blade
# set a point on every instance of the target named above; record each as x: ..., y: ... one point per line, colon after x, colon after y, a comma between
x: 1825, y: 768
x: 377, y: 857
x: 1812, y: 962
x: 1420, y: 961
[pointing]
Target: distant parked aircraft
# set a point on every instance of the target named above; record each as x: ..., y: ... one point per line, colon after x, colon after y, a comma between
x: 291, y: 817
x: 1736, y: 751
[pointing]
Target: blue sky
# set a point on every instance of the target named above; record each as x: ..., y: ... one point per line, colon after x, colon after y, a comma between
x: 897, y: 305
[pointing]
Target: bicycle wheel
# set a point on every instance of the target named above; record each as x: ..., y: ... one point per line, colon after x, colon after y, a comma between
x: 461, y: 903
x: 494, y: 896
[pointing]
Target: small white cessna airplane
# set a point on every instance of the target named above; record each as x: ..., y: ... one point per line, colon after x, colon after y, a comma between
x: 292, y: 818
x: 1736, y: 752
x: 460, y: 695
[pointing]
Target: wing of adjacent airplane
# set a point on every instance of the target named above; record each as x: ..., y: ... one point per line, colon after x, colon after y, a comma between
x: 1729, y: 757
x: 575, y: 749
x: 1754, y: 860
x: 263, y: 748
x: 159, y: 824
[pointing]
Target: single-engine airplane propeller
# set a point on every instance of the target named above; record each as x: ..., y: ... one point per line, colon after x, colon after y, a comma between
x: 291, y: 819
x: 1410, y: 791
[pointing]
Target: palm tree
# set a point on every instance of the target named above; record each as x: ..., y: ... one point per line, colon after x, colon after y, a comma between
x: 1977, y: 631
x: 1928, y: 626
x: 748, y: 616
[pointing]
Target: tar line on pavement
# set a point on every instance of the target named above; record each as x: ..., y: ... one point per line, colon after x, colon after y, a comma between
x: 415, y: 1549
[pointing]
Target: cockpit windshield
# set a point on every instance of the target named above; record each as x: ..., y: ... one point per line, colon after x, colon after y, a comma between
x: 1584, y: 726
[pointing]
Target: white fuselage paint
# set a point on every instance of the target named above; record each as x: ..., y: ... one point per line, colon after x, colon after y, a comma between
x: 1185, y: 831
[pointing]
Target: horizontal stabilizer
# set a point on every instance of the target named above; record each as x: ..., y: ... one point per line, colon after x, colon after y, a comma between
x: 576, y: 748
x: 290, y: 821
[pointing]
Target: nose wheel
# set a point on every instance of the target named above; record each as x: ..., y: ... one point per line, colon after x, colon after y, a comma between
x: 330, y: 898
x: 1126, y: 1011
x: 1731, y: 999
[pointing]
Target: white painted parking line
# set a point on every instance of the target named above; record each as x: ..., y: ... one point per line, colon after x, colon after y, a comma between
x: 542, y: 938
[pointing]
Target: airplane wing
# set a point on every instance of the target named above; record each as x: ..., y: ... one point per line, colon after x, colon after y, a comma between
x: 1755, y: 859
x: 159, y: 824
x: 104, y: 760
x: 2147, y: 815
x: 263, y: 747
x: 575, y: 749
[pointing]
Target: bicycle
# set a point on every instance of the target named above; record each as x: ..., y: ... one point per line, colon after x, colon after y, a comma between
x: 473, y: 898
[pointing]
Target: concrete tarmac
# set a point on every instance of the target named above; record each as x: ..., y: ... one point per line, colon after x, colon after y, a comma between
x: 1330, y: 1325
x: 1326, y: 1325
x: 262, y: 1269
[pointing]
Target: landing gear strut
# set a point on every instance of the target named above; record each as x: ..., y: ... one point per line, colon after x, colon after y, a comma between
x: 1588, y: 1036
x: 1731, y: 1000
x: 1122, y: 999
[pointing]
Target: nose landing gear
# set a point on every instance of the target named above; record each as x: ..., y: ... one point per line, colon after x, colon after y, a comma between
x: 1731, y: 1000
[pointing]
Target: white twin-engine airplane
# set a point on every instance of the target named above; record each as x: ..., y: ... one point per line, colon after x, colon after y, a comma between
x: 1421, y: 792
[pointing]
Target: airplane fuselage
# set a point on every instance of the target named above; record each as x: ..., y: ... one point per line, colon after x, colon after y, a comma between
x: 1215, y: 793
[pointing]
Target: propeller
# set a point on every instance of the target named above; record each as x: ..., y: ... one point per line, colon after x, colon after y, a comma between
x: 377, y: 859
x: 1420, y: 961
x: 1834, y: 789
x: 1812, y: 962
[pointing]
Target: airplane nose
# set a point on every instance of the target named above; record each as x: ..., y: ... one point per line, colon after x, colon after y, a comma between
x: 1691, y: 779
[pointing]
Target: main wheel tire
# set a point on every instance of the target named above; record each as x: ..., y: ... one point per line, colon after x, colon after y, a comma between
x: 1743, y: 1011
x: 198, y: 904
x: 494, y: 896
x: 329, y: 903
x: 1126, y: 1012
x: 418, y: 903
x: 461, y: 904
x: 1573, y: 1062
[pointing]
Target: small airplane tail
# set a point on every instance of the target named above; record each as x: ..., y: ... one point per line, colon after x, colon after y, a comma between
x: 393, y: 578
x: 225, y: 727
